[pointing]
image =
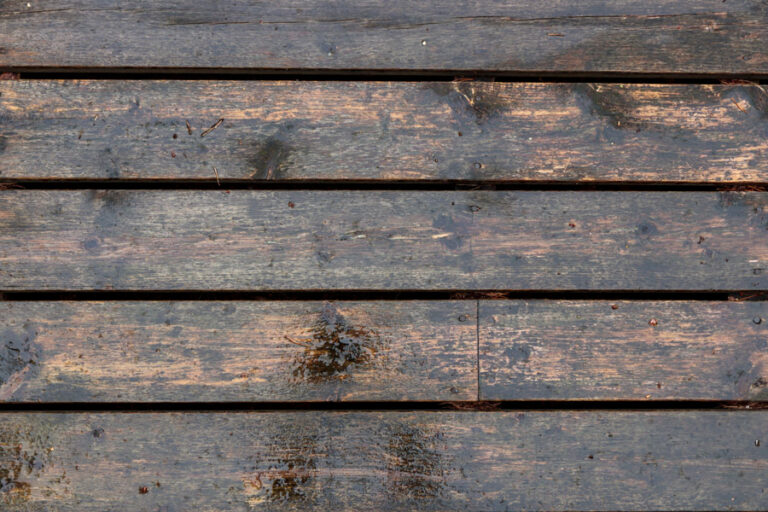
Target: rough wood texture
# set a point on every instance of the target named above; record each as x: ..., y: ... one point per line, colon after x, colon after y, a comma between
x: 385, y: 461
x: 658, y: 36
x: 369, y: 240
x: 383, y: 131
x: 237, y: 351
x: 623, y: 350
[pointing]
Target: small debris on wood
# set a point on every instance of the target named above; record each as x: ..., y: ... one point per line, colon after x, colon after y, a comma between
x: 143, y: 490
x: 747, y: 296
x: 653, y: 322
x: 9, y: 76
x: 213, y: 127
x: 478, y: 295
x: 614, y: 306
x: 746, y: 405
x: 189, y: 128
x: 216, y: 172
x: 741, y: 188
x: 738, y: 106
x: 555, y: 34
x: 474, y: 406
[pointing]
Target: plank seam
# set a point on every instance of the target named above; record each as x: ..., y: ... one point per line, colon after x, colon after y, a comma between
x: 383, y: 185
x: 447, y: 75
x: 393, y: 295
x: 489, y: 406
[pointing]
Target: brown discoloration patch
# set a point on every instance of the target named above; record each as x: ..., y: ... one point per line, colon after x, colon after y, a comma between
x: 270, y: 159
x: 293, y: 469
x: 17, y: 355
x: 23, y: 456
x: 609, y: 104
x: 472, y: 101
x: 416, y: 468
x: 334, y: 349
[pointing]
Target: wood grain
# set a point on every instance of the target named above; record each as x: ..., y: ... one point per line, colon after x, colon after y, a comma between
x: 623, y: 350
x: 237, y: 351
x: 701, y: 460
x: 287, y: 131
x: 382, y: 240
x: 622, y: 36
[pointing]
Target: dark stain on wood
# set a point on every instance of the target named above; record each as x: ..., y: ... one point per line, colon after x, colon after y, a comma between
x: 270, y: 159
x: 416, y: 465
x: 292, y: 456
x: 334, y: 349
x: 18, y: 355
x: 25, y: 456
x: 470, y: 102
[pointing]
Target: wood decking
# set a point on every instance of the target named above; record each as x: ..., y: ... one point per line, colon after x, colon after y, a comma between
x: 357, y: 255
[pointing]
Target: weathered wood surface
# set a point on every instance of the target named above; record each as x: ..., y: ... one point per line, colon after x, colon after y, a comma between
x: 383, y: 131
x: 237, y: 351
x: 625, y: 350
x: 382, y: 240
x: 658, y: 36
x: 491, y: 461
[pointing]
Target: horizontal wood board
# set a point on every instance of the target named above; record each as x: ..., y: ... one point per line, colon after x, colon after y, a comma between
x: 623, y: 350
x: 496, y: 461
x: 387, y: 131
x: 237, y: 351
x: 591, y: 36
x: 381, y: 240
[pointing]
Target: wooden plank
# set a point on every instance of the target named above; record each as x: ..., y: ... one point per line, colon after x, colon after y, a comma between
x: 303, y: 240
x: 623, y: 350
x: 237, y: 351
x: 382, y: 240
x: 700, y: 460
x: 286, y: 131
x: 624, y: 36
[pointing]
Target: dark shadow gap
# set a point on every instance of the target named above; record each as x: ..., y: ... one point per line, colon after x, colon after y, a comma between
x: 486, y: 406
x: 422, y: 185
x: 105, y: 73
x: 387, y: 295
